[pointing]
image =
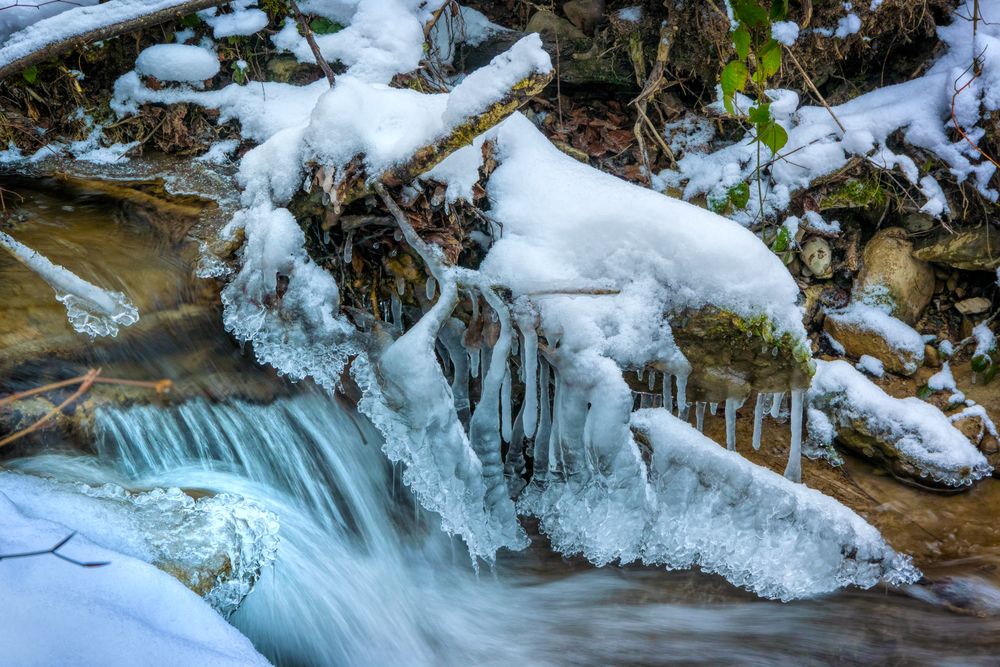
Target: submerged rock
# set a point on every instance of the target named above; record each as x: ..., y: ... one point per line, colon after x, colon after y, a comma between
x: 214, y: 545
x: 891, y: 272
x: 911, y: 438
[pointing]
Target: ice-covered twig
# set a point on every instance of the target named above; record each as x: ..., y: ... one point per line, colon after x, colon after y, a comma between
x: 90, y: 309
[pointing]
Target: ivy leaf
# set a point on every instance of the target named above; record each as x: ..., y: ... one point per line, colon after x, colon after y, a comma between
x: 749, y: 13
x: 739, y: 195
x: 760, y: 114
x: 741, y: 40
x: 770, y: 57
x: 30, y: 74
x: 779, y: 9
x: 772, y: 135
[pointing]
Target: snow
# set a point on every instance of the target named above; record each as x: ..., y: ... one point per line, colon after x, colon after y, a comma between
x: 177, y: 62
x: 631, y: 14
x: 23, y: 13
x: 77, y: 20
x: 986, y: 341
x: 875, y: 321
x: 241, y: 22
x: 919, y: 108
x: 124, y: 613
x: 847, y: 26
x: 718, y: 511
x: 91, y: 310
x: 785, y: 32
x: 943, y: 380
x: 871, y: 366
x: 918, y: 430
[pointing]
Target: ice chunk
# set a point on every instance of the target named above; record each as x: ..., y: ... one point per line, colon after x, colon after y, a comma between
x: 91, y: 310
x: 718, y: 511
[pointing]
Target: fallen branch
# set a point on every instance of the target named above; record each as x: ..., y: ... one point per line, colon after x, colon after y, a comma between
x: 88, y: 381
x: 64, y: 39
x: 426, y: 158
x: 311, y: 40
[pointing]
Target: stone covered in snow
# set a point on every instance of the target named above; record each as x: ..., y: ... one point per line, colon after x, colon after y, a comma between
x: 177, y: 62
x: 866, y: 330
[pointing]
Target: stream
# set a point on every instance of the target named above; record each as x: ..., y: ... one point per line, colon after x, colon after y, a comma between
x: 363, y: 575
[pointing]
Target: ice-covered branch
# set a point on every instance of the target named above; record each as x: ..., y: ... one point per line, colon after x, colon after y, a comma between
x: 90, y: 309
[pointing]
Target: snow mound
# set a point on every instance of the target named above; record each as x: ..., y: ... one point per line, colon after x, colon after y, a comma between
x: 781, y: 540
x: 177, y: 62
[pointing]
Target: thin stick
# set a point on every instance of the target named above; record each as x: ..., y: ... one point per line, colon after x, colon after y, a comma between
x: 434, y: 18
x: 87, y: 383
x: 311, y: 40
x: 815, y: 90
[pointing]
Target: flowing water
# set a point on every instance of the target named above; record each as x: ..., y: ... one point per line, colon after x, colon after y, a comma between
x: 364, y: 577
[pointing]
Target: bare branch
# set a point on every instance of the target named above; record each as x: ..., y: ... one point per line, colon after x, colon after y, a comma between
x: 54, y: 551
x: 311, y: 39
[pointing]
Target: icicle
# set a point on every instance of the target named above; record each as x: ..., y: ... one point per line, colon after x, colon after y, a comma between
x: 540, y: 463
x: 699, y: 415
x: 713, y: 408
x: 776, y: 404
x: 513, y: 467
x: 652, y: 380
x: 668, y: 399
x: 506, y: 420
x: 397, y: 311
x: 349, y: 248
x: 474, y: 362
x: 758, y: 418
x: 793, y: 470
x: 430, y: 288
x: 731, y: 404
x: 529, y: 366
x: 451, y: 335
x: 682, y: 405
x: 644, y: 400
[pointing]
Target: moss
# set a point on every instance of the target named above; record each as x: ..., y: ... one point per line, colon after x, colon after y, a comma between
x: 855, y: 193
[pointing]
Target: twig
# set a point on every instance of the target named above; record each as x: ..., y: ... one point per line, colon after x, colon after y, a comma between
x: 815, y: 90
x: 54, y: 551
x: 434, y: 18
x: 311, y: 40
x: 160, y: 386
x: 88, y: 381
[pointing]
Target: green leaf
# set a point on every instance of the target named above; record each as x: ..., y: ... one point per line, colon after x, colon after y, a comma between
x: 741, y: 40
x: 30, y: 74
x: 772, y: 135
x: 769, y: 57
x: 781, y: 241
x: 980, y: 363
x: 739, y: 195
x: 324, y: 26
x: 749, y: 13
x: 924, y: 392
x: 760, y: 113
x: 779, y: 9
x: 734, y: 77
x: 190, y: 21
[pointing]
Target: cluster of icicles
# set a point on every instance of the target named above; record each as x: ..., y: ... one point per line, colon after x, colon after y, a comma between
x: 767, y: 403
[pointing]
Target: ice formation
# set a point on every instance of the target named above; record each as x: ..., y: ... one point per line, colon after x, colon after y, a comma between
x: 124, y: 613
x: 918, y: 431
x: 91, y: 310
x: 576, y: 314
x: 216, y: 545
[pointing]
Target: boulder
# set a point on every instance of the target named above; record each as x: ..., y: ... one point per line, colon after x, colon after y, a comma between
x: 974, y: 306
x: 894, y: 276
x: 969, y: 250
x: 866, y: 330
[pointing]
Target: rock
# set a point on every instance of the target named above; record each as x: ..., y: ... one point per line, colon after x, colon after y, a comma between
x: 918, y: 223
x: 584, y: 14
x: 973, y: 306
x: 892, y: 275
x: 818, y: 257
x: 970, y: 250
x: 866, y: 330
x: 284, y: 68
x: 550, y: 26
x: 932, y: 359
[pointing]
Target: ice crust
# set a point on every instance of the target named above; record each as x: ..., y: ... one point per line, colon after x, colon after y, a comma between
x: 125, y: 613
x: 781, y: 540
x: 90, y: 310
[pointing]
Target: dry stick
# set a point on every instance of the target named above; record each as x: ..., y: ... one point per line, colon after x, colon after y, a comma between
x: 434, y: 18
x: 160, y: 386
x: 88, y: 381
x: 79, y: 41
x: 815, y: 90
x: 311, y: 40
